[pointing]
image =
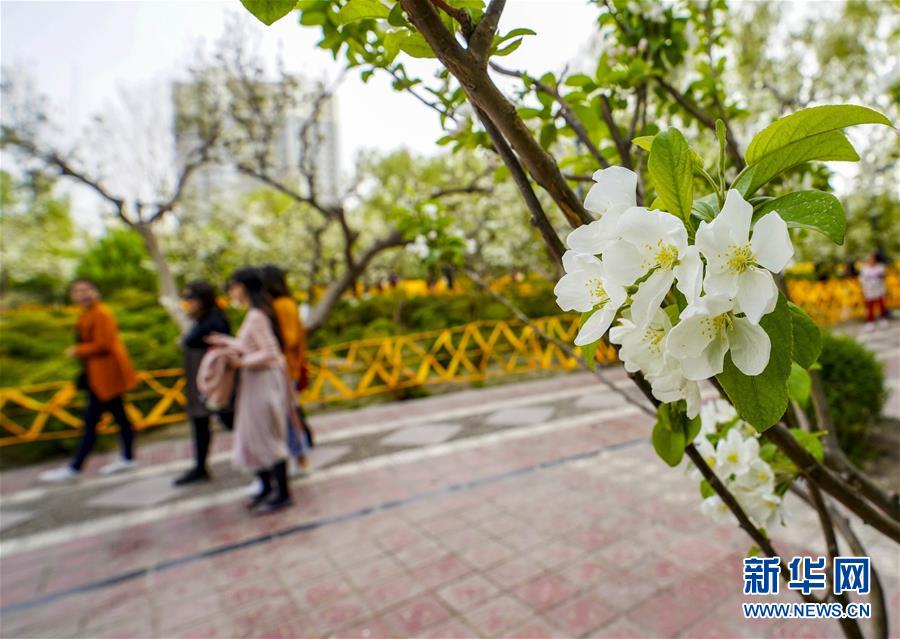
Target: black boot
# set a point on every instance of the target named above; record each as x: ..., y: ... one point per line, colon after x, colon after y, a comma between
x: 282, y: 497
x: 193, y: 475
x: 265, y: 477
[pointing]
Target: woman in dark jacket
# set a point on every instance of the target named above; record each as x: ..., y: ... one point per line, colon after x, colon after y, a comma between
x: 200, y: 300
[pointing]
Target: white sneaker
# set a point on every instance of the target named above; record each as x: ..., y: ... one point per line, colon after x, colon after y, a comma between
x: 118, y: 466
x: 254, y: 487
x: 59, y: 475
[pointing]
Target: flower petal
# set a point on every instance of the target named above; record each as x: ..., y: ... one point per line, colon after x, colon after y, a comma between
x: 710, y: 363
x: 735, y: 217
x: 686, y: 339
x: 572, y: 293
x: 595, y: 326
x: 750, y: 347
x: 574, y: 261
x: 623, y: 262
x: 615, y: 185
x: 771, y: 243
x: 689, y: 274
x: 757, y: 294
x: 649, y: 297
x: 587, y: 239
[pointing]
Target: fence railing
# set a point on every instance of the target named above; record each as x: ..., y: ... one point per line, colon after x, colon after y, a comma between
x: 473, y: 352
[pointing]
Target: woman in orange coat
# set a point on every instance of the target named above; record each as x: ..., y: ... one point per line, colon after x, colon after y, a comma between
x: 294, y: 347
x: 106, y: 377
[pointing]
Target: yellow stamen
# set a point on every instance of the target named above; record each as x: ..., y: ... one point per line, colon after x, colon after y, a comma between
x: 596, y: 291
x: 741, y: 258
x: 667, y: 257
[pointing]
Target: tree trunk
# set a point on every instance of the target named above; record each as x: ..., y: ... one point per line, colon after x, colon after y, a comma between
x: 323, y: 309
x: 168, y: 289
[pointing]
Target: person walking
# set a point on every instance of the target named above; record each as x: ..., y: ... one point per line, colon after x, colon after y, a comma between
x: 203, y: 308
x: 107, y: 374
x: 263, y: 404
x: 294, y: 335
x: 871, y: 279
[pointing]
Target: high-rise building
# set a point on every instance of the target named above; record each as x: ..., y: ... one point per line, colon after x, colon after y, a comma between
x: 284, y: 152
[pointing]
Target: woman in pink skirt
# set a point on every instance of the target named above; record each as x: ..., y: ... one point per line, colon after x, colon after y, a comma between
x: 262, y: 407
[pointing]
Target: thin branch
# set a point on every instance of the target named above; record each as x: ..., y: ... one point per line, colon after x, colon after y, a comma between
x: 457, y: 14
x: 830, y: 483
x: 623, y: 146
x: 565, y: 110
x: 483, y: 36
x: 704, y: 119
x: 838, y: 461
x: 538, y: 217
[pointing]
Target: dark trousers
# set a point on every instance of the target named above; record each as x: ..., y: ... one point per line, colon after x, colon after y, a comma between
x: 203, y: 435
x: 875, y: 309
x: 92, y: 414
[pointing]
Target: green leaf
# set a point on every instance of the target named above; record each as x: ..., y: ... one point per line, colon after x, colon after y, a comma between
x: 415, y: 45
x: 396, y: 17
x: 589, y: 354
x: 706, y: 490
x: 753, y: 552
x: 761, y: 400
x: 668, y: 442
x: 512, y: 46
x: 646, y: 142
x: 362, y: 10
x: 579, y: 80
x: 268, y: 11
x: 692, y: 428
x: 807, y: 123
x: 706, y: 208
x: 515, y: 33
x: 810, y: 442
x: 799, y: 384
x: 814, y: 210
x: 831, y: 145
x: 672, y: 171
x: 807, y: 337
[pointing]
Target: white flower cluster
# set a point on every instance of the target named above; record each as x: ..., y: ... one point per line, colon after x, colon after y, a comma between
x: 735, y: 460
x: 624, y: 265
x: 419, y: 247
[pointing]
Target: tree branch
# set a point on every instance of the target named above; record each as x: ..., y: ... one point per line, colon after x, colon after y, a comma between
x: 566, y: 111
x: 623, y: 146
x: 483, y: 36
x: 815, y: 472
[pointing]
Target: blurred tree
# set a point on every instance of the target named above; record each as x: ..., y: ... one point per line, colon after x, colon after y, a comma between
x: 37, y: 239
x: 118, y: 260
x: 126, y: 158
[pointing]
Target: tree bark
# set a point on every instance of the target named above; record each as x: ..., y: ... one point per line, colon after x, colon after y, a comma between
x: 168, y: 289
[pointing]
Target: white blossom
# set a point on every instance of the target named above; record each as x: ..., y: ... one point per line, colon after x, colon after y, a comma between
x: 708, y: 329
x: 738, y: 264
x: 586, y: 288
x: 714, y: 413
x: 714, y: 508
x: 614, y: 192
x: 654, y: 243
x: 734, y: 454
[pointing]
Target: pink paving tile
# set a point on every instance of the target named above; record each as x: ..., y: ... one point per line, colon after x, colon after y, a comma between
x: 468, y: 592
x: 626, y: 552
x: 619, y: 629
x: 453, y: 629
x: 370, y: 572
x: 580, y: 615
x: 417, y: 615
x: 248, y: 620
x: 338, y: 614
x: 665, y: 615
x: 302, y: 573
x: 446, y: 569
x: 241, y: 592
x: 658, y: 569
x: 190, y: 611
x: 534, y: 629
x: 442, y: 524
x: 368, y: 629
x: 210, y: 629
x: 588, y: 571
x: 545, y: 590
x: 811, y: 629
x: 398, y: 538
x: 392, y: 591
x: 555, y: 553
x: 626, y: 590
x: 421, y: 552
x: 319, y: 592
x: 487, y: 553
x: 511, y: 573
x: 495, y: 617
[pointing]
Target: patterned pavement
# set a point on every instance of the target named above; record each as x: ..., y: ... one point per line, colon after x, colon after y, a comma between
x: 530, y: 510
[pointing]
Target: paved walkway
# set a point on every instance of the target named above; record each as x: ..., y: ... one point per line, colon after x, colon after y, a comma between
x: 534, y: 509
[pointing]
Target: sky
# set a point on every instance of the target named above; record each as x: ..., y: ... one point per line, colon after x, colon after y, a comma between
x: 82, y: 54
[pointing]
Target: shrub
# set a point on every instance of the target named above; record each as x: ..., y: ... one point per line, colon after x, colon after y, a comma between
x: 854, y: 387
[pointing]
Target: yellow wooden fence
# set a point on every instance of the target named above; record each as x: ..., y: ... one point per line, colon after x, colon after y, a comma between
x: 472, y: 352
